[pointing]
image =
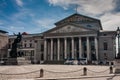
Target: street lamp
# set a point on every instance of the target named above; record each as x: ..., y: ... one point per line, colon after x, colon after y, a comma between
x: 118, y: 34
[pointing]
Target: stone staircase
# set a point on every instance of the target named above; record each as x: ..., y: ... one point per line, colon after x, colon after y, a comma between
x: 53, y: 62
x: 23, y: 61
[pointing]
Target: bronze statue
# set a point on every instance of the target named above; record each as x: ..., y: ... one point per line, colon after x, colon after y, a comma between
x: 13, y: 52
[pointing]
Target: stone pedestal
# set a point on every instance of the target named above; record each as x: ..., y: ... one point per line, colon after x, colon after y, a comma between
x: 12, y: 61
x: 117, y: 66
x: 23, y: 61
x: 17, y: 61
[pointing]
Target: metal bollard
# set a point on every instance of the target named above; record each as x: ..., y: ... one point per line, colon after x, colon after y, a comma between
x: 84, y: 71
x: 41, y: 72
x: 111, y: 69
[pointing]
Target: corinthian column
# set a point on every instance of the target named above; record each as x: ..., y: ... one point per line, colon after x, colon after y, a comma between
x: 51, y: 49
x: 80, y: 48
x: 96, y: 47
x: 45, y: 49
x: 58, y: 50
x: 65, y: 44
x: 72, y: 48
x: 88, y: 49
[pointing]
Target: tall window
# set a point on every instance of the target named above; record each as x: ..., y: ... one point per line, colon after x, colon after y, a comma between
x: 105, y: 45
x: 42, y: 47
x: 25, y: 45
x: 30, y: 44
x: 9, y: 46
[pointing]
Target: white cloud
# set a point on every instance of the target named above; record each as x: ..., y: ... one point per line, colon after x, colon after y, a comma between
x: 1, y: 22
x: 94, y: 8
x: 16, y: 28
x: 19, y: 3
x: 110, y: 21
x: 86, y: 6
x: 45, y: 22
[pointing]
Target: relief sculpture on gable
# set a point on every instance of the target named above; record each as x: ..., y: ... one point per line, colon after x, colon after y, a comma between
x: 76, y: 19
x: 69, y: 28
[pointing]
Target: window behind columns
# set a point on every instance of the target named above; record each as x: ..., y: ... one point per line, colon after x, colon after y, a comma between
x: 25, y: 45
x: 42, y: 47
x: 105, y: 46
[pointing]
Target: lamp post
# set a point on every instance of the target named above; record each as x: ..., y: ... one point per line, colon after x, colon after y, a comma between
x: 118, y: 34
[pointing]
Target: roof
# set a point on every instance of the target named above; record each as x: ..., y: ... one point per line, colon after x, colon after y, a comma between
x: 1, y: 31
x: 24, y: 33
x: 74, y: 15
x: 28, y: 35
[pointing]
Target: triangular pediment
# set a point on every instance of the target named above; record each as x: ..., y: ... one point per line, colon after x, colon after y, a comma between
x: 76, y: 18
x: 69, y: 28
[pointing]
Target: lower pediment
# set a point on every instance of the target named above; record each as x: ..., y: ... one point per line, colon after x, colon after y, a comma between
x: 69, y: 28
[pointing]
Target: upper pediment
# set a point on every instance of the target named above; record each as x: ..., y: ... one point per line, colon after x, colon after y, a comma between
x: 76, y: 23
x: 76, y: 18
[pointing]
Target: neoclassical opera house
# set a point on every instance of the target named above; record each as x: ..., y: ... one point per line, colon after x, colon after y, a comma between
x: 75, y: 37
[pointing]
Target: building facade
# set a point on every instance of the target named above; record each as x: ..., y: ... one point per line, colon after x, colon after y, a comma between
x: 74, y: 37
x: 29, y: 47
x: 3, y: 44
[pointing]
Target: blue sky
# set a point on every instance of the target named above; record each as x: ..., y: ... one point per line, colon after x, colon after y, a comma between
x: 36, y: 16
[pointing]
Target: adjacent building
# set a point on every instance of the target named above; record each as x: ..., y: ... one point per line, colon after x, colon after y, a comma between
x: 73, y: 38
x: 30, y: 47
x: 3, y: 44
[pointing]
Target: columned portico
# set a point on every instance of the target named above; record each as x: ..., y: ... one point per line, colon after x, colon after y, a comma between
x: 57, y: 49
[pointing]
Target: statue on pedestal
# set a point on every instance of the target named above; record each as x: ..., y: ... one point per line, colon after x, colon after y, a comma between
x: 13, y: 52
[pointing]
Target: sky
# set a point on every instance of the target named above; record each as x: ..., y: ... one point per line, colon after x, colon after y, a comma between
x: 36, y: 16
